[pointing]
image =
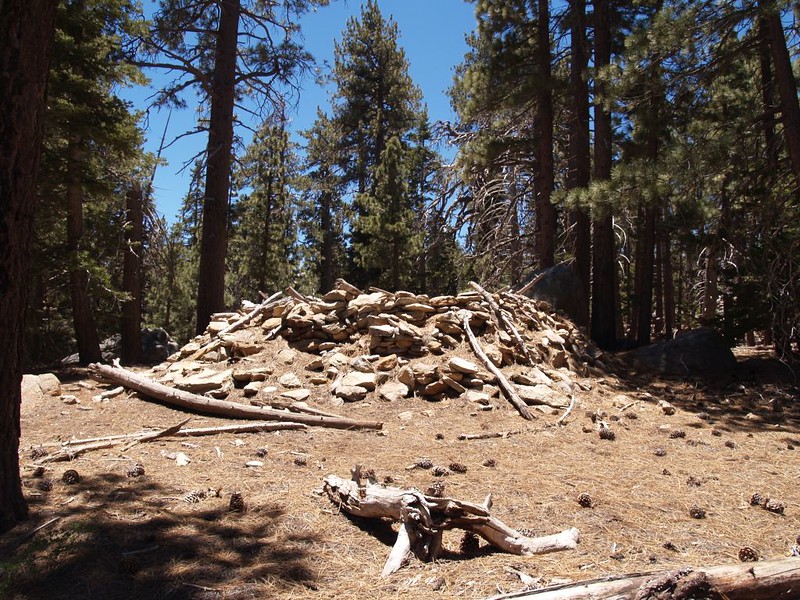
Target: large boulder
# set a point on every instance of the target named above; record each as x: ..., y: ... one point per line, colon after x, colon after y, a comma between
x: 560, y: 287
x: 700, y: 351
x: 157, y: 346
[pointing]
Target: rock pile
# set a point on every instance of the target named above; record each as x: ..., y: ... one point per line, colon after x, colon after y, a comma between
x: 348, y: 345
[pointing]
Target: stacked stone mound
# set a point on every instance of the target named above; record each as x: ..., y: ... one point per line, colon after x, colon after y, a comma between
x: 348, y: 345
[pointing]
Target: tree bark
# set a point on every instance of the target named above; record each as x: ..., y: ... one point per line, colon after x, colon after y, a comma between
x: 642, y: 315
x: 86, y: 335
x: 214, y: 241
x: 787, y: 86
x: 768, y: 97
x: 764, y: 580
x: 668, y: 286
x: 26, y: 37
x: 545, y: 211
x: 604, y: 280
x: 579, y: 168
x: 130, y: 331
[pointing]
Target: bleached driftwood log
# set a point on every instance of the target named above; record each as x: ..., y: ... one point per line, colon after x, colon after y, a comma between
x: 202, y: 404
x: 424, y: 518
x: 504, y: 384
x: 72, y: 452
x: 763, y: 580
x: 504, y: 321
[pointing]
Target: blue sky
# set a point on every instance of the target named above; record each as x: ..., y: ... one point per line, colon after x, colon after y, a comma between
x: 432, y: 34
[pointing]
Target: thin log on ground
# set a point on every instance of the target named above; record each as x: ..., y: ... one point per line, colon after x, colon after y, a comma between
x: 425, y: 518
x: 71, y: 452
x: 504, y: 321
x: 300, y: 407
x: 154, y: 435
x: 504, y: 384
x: 777, y: 579
x: 489, y: 435
x: 203, y: 404
x: 216, y: 343
x: 256, y: 427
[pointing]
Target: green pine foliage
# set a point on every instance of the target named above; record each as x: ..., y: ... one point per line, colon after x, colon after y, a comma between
x: 377, y: 112
x: 92, y: 146
x: 264, y: 243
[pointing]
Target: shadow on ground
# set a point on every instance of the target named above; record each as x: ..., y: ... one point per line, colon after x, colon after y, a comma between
x: 763, y: 393
x: 126, y: 538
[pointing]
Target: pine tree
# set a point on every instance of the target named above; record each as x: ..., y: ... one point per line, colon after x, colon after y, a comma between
x: 265, y: 237
x: 322, y: 215
x: 92, y: 148
x: 227, y: 49
x: 386, y: 242
x: 26, y: 39
x: 375, y: 101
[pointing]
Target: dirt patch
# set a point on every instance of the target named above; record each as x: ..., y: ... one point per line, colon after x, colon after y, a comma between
x: 170, y: 533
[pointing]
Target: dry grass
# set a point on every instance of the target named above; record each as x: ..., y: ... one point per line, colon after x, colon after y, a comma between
x: 121, y: 537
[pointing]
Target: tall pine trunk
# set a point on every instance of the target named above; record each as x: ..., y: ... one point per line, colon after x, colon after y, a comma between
x: 604, y: 279
x: 579, y: 172
x: 86, y: 336
x: 130, y: 332
x: 26, y: 38
x: 327, y: 273
x: 787, y: 86
x: 642, y: 312
x: 668, y: 285
x: 545, y: 211
x: 214, y: 241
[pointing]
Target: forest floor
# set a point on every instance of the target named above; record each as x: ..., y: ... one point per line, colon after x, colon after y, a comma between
x: 136, y: 537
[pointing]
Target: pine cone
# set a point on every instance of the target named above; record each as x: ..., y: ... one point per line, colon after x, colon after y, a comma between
x: 423, y: 463
x: 748, y: 554
x: 436, y: 489
x: 678, y: 433
x: 774, y: 506
x: 70, y: 477
x: 697, y: 512
x: 758, y: 500
x: 45, y: 485
x: 490, y: 462
x: 236, y: 503
x: 470, y: 543
x: 606, y: 433
x: 457, y: 467
x: 194, y: 496
x: 585, y: 500
x: 38, y: 472
x: 37, y: 453
x: 136, y: 470
x: 300, y: 461
x: 261, y: 452
x: 440, y: 471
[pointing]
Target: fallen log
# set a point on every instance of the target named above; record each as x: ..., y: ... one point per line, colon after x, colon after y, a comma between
x: 777, y: 579
x: 202, y: 404
x: 424, y: 518
x: 504, y: 384
x: 257, y: 427
x: 72, y: 452
x: 504, y: 321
